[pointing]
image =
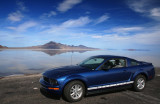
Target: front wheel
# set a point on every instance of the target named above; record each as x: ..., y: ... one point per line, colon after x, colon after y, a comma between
x: 139, y: 83
x: 74, y: 91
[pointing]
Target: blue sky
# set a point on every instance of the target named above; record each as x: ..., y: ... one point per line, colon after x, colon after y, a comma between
x: 102, y: 24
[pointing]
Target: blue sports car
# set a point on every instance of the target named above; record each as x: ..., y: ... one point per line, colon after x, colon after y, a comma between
x: 97, y: 74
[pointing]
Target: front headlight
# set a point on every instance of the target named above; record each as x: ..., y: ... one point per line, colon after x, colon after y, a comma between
x: 53, y: 82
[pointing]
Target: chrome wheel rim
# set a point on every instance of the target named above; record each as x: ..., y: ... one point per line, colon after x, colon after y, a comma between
x: 76, y: 91
x: 140, y: 83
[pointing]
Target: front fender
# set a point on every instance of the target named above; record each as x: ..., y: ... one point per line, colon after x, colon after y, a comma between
x: 74, y: 77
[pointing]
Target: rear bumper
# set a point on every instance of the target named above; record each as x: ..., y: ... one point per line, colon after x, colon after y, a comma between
x: 49, y: 88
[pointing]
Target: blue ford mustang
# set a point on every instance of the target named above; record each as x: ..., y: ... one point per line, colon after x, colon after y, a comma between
x: 97, y: 73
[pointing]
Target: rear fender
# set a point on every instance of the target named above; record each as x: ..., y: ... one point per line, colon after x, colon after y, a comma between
x: 138, y: 73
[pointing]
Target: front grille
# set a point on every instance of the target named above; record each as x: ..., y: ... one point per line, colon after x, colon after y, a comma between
x: 46, y: 79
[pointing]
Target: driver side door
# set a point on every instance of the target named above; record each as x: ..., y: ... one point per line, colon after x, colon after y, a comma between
x: 110, y: 72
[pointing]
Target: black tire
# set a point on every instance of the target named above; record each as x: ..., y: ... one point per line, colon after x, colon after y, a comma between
x: 141, y: 86
x: 67, y: 91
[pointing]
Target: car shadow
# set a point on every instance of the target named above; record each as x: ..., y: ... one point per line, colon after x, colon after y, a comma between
x: 48, y: 95
x: 110, y: 91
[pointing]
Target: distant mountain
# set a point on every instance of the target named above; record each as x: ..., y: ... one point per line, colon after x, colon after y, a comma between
x: 3, y: 46
x: 52, y: 45
x: 55, y: 45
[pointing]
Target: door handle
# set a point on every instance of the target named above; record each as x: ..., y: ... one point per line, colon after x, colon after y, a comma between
x: 124, y: 70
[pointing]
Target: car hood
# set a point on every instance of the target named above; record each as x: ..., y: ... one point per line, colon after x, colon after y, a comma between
x: 66, y: 70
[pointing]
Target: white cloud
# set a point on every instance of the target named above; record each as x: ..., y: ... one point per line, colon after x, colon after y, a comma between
x: 145, y: 7
x: 148, y: 8
x: 66, y: 26
x: 102, y: 19
x: 21, y: 6
x: 76, y: 22
x: 67, y: 4
x: 147, y: 37
x: 125, y: 29
x: 15, y: 16
x: 23, y: 27
x: 10, y: 27
x: 143, y: 38
x: 97, y: 36
x: 87, y: 12
x: 155, y: 12
x: 50, y: 14
x: 138, y: 5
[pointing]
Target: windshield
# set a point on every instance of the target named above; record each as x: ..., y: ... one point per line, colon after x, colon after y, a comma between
x: 92, y: 63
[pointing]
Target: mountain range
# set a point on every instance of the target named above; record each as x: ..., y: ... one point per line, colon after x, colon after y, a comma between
x: 3, y: 46
x: 53, y: 45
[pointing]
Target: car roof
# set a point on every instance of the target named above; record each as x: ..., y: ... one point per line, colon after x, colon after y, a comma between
x: 109, y: 56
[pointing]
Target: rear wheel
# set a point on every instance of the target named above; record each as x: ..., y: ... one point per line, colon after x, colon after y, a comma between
x: 139, y: 83
x: 74, y: 91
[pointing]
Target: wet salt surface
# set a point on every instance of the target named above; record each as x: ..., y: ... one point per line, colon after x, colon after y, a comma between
x: 19, y: 62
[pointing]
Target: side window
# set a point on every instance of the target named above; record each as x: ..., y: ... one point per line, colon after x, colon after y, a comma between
x: 134, y: 63
x: 115, y: 63
x: 120, y: 63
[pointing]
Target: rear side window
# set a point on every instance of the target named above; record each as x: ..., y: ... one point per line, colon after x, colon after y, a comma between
x: 115, y: 63
x: 134, y: 63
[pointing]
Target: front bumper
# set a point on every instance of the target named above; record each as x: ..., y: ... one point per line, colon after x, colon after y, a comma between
x: 50, y: 88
